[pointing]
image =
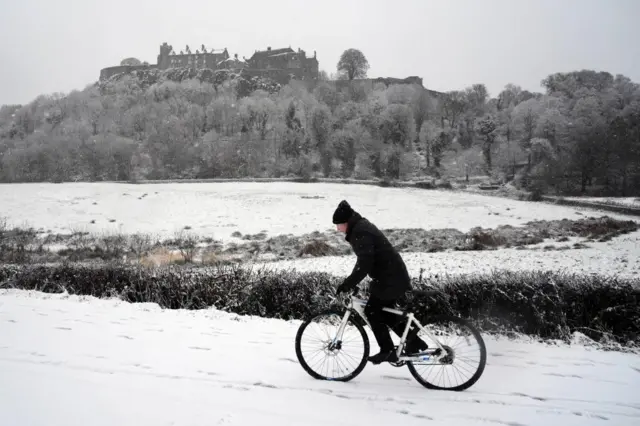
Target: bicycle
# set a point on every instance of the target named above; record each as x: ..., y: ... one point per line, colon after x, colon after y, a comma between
x: 351, y: 312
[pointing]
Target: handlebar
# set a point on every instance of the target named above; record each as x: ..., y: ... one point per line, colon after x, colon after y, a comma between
x: 344, y: 297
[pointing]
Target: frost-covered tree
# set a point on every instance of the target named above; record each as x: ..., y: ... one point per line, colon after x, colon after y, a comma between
x: 130, y: 61
x: 581, y: 135
x: 486, y: 128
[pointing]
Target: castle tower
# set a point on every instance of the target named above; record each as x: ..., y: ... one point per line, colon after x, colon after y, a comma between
x: 163, y: 58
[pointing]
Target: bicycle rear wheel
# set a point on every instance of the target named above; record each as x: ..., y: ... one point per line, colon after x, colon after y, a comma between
x: 458, y: 361
x: 321, y: 356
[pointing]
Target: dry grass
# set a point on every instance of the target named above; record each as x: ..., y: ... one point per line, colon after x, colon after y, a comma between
x: 161, y: 256
x: 316, y: 248
x: 26, y: 246
x: 210, y: 257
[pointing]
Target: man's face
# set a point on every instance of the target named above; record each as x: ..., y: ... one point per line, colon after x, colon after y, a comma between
x: 341, y: 227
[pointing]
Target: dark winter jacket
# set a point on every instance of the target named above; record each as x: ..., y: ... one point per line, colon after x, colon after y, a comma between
x: 376, y: 258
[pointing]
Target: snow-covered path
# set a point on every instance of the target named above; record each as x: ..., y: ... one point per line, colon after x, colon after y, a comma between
x: 83, y: 361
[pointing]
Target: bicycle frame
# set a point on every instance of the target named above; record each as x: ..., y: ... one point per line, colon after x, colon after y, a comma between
x: 358, y: 305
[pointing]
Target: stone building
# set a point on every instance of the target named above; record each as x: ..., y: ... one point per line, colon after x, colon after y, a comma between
x: 284, y: 64
x: 201, y: 58
x: 233, y: 63
x: 281, y: 65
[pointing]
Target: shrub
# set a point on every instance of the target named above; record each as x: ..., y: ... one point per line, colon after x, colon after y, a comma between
x: 317, y: 248
x: 545, y: 304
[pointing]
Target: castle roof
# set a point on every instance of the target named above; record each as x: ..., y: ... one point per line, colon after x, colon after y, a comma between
x: 230, y: 59
x: 282, y: 54
x: 272, y: 52
x: 208, y: 52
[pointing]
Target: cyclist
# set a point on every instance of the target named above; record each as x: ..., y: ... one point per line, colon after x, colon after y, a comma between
x: 390, y: 280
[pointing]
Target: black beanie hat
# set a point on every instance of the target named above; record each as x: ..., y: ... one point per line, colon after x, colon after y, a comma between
x: 342, y: 213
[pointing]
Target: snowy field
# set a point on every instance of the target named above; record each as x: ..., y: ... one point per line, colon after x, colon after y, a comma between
x: 619, y: 257
x: 218, y: 210
x: 71, y: 361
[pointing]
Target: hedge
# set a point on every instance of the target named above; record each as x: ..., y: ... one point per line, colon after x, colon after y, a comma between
x: 544, y: 304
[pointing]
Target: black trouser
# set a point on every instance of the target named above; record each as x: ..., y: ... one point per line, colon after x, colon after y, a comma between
x: 380, y: 320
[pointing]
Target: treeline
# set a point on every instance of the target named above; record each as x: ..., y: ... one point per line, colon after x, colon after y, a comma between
x: 581, y: 136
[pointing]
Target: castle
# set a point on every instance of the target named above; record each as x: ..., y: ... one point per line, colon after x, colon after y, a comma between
x: 281, y: 65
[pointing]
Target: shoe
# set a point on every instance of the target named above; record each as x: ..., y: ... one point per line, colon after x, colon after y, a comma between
x: 415, y: 345
x: 382, y: 356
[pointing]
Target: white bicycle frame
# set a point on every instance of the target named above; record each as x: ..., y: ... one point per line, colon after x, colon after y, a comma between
x: 359, y: 305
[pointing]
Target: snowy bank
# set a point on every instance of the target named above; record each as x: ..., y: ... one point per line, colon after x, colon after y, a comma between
x: 112, y: 363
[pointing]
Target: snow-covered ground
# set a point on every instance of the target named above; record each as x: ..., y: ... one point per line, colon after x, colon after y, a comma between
x: 620, y: 256
x: 71, y: 361
x: 219, y: 209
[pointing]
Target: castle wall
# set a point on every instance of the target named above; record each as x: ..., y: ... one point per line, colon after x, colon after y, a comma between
x: 109, y: 72
x: 282, y: 64
x: 197, y: 61
x: 369, y: 83
x: 278, y: 75
x: 310, y: 69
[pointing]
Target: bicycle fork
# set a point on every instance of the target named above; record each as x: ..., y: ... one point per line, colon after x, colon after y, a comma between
x: 337, y: 339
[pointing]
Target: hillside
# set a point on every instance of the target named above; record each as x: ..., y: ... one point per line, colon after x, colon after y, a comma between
x: 581, y: 136
x: 146, y: 78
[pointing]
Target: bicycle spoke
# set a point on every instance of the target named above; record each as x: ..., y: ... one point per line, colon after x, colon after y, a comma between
x: 458, y: 352
x: 317, y: 345
x: 463, y: 356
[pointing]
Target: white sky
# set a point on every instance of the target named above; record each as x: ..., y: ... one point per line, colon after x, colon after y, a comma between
x: 57, y: 46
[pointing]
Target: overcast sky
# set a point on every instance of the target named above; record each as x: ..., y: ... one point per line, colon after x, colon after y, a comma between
x: 56, y: 46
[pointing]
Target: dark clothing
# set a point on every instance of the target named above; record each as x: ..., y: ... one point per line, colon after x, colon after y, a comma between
x: 380, y: 320
x: 390, y: 279
x: 376, y: 258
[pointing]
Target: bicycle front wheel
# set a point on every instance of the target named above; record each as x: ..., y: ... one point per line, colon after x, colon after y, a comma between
x: 323, y: 356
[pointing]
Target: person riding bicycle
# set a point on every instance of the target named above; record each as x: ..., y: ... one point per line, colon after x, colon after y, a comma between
x: 390, y: 280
